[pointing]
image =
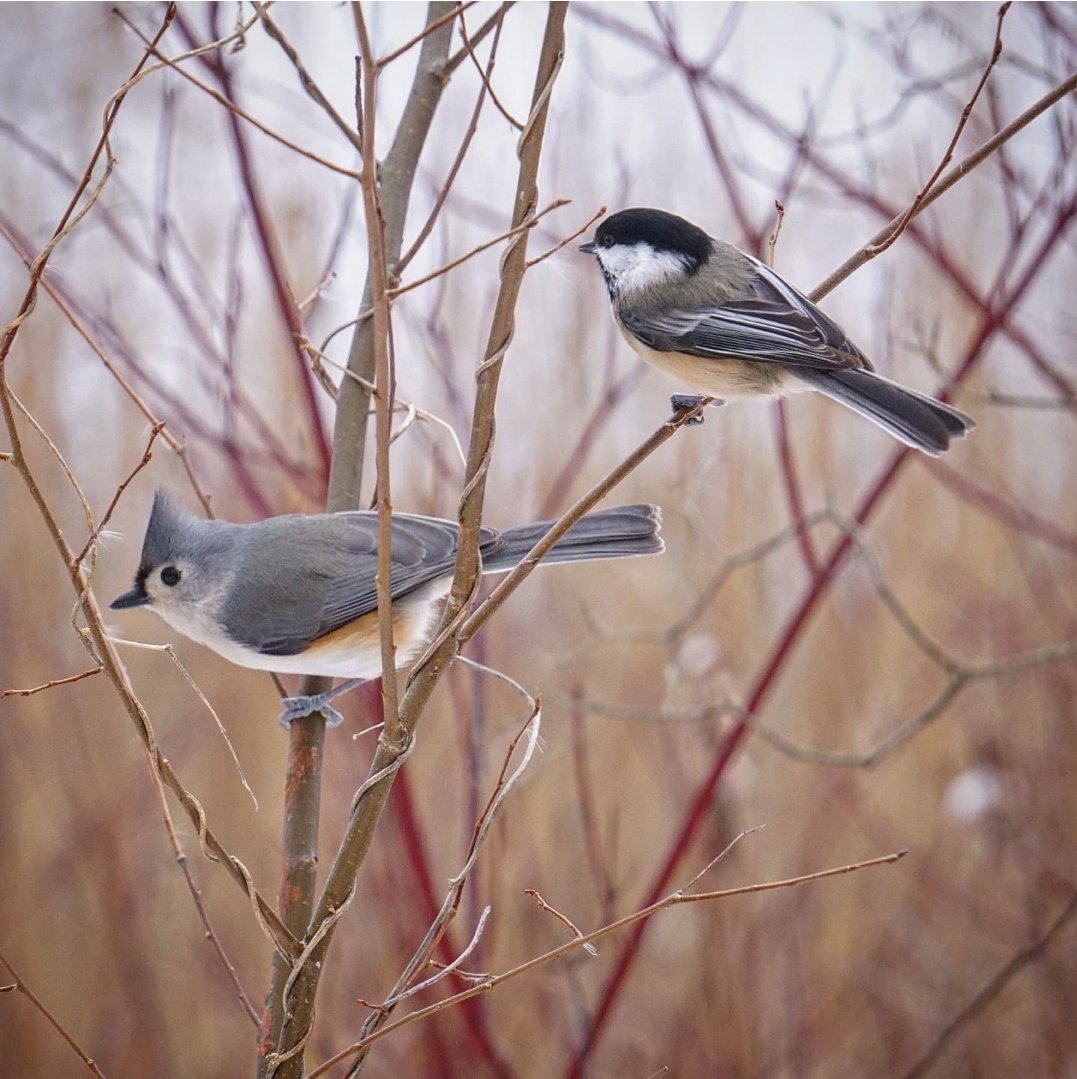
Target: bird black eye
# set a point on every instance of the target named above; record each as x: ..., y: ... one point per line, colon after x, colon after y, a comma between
x: 606, y: 241
x: 170, y: 576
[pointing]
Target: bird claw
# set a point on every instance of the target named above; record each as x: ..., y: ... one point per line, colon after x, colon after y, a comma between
x: 300, y: 707
x: 681, y: 402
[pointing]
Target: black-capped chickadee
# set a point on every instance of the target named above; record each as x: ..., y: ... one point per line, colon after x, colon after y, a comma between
x: 298, y: 594
x: 728, y: 326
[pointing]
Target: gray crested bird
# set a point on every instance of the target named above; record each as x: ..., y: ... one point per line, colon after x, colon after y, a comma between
x: 298, y: 594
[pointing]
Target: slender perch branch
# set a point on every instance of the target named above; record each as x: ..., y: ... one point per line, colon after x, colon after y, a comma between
x: 307, y: 737
x: 368, y: 807
x: 584, y: 940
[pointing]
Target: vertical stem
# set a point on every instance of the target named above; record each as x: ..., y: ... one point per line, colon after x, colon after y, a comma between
x: 369, y: 806
x: 384, y: 377
x: 503, y: 324
x: 305, y: 754
x: 299, y: 860
x: 397, y: 179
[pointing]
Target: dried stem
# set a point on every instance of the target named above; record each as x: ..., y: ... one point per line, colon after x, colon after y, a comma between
x: 675, y: 899
x: 95, y: 633
x: 367, y: 809
x: 385, y: 382
x: 37, y: 1002
x: 990, y: 992
x: 51, y: 684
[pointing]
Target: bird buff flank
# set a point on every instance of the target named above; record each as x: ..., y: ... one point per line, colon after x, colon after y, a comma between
x: 298, y: 594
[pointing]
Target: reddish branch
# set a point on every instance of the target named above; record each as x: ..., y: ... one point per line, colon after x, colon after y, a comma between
x: 793, y: 634
x: 273, y: 257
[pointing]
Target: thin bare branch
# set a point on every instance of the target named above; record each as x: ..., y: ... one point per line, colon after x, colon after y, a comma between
x: 51, y: 684
x: 880, y: 240
x: 313, y: 91
x: 385, y: 381
x: 585, y: 227
x: 444, y: 971
x: 454, y: 169
x: 427, y: 30
x: 672, y: 900
x: 564, y: 919
x: 200, y: 905
x: 484, y: 75
x: 990, y: 992
x: 176, y: 64
x: 948, y: 155
x: 530, y: 223
x: 147, y: 454
x: 60, y: 1029
x: 491, y: 23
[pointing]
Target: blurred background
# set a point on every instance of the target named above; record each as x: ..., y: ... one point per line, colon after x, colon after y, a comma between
x: 909, y: 687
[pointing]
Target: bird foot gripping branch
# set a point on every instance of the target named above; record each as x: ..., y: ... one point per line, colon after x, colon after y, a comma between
x: 682, y: 402
x: 300, y: 707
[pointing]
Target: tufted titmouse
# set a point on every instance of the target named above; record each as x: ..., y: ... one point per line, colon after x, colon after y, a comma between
x: 297, y: 594
x: 729, y: 326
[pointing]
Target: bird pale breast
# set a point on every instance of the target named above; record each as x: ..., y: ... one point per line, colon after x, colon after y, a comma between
x: 353, y: 651
x: 717, y: 377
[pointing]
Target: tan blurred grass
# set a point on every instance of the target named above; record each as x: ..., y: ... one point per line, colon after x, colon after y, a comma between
x: 854, y: 976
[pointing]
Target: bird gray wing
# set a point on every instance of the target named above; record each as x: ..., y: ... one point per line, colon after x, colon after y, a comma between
x: 302, y: 577
x: 776, y: 324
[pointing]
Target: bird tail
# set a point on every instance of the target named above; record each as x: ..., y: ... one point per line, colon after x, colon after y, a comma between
x: 614, y: 533
x: 914, y: 418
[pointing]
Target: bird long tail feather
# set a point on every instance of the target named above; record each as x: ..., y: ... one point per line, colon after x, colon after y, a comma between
x: 914, y: 418
x: 613, y: 533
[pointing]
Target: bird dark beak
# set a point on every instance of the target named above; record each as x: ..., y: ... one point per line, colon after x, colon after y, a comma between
x: 588, y: 248
x: 137, y: 597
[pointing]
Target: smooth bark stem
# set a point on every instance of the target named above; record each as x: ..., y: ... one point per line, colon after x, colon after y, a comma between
x: 306, y: 749
x: 370, y: 802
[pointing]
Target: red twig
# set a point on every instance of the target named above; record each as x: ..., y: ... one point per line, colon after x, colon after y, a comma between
x: 699, y: 808
x: 1005, y: 509
x: 273, y: 257
x: 430, y: 905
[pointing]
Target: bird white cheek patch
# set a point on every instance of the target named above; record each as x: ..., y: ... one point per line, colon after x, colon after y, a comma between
x: 640, y: 266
